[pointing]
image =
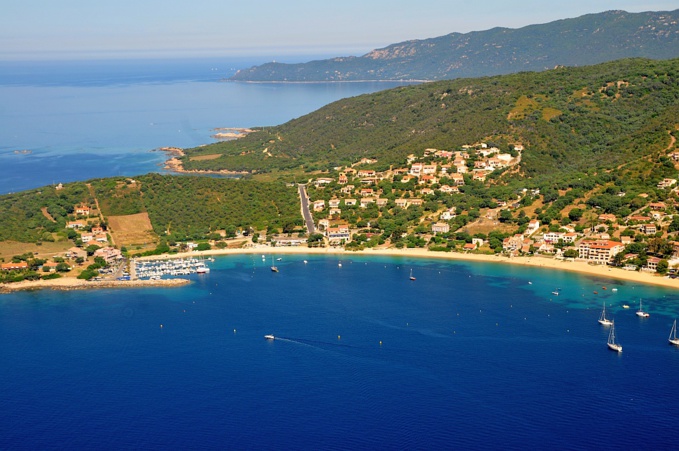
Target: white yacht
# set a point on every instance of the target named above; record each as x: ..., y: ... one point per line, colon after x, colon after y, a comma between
x: 269, y: 337
x: 641, y: 312
x: 673, y: 334
x: 612, y: 344
x: 603, y: 320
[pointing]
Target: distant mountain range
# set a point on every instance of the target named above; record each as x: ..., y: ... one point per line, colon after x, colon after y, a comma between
x: 585, y: 40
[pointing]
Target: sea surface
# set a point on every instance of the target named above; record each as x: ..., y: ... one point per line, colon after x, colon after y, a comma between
x: 468, y: 356
x: 62, y: 121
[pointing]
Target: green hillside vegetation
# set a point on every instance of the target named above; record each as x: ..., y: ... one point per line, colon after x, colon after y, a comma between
x: 568, y: 119
x: 585, y: 40
x: 179, y: 207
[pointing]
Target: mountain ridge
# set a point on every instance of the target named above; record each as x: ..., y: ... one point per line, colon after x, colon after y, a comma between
x: 585, y: 40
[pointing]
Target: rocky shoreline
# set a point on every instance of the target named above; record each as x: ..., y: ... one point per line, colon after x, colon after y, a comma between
x: 71, y: 283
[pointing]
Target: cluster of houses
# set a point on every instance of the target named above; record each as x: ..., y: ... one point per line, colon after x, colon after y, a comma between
x: 452, y: 167
x: 95, y: 235
x: 436, y: 165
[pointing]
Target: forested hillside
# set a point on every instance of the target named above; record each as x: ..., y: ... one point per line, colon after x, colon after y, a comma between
x: 568, y: 119
x: 585, y: 40
x: 179, y: 207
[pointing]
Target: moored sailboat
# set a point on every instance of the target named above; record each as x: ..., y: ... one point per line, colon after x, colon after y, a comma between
x: 641, y: 312
x: 602, y: 319
x: 673, y: 340
x: 411, y: 275
x: 612, y: 344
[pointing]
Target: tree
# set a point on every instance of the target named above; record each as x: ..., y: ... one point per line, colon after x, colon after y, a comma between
x: 575, y: 214
x: 571, y: 253
x: 663, y: 266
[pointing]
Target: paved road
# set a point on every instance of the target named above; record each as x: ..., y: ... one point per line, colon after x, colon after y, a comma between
x: 306, y: 214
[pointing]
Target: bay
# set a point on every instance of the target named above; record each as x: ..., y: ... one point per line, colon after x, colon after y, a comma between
x: 470, y: 355
x: 67, y: 121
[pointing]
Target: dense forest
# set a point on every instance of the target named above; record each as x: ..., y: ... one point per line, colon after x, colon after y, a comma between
x: 179, y: 207
x: 585, y: 40
x: 568, y: 119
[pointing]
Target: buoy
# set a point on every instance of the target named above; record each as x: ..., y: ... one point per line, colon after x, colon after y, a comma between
x: 380, y: 342
x: 338, y: 337
x: 234, y: 331
x: 161, y: 326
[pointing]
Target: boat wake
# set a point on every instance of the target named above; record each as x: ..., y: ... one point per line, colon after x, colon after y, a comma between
x: 314, y: 343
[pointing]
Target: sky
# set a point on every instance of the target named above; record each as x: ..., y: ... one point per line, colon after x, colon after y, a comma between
x: 38, y: 29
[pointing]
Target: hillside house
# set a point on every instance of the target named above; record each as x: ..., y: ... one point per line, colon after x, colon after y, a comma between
x: 323, y: 181
x: 402, y: 203
x: 667, y: 183
x: 648, y: 229
x: 79, y: 224
x: 458, y: 179
x: 533, y: 227
x: 367, y: 201
x: 440, y: 227
x: 449, y: 189
x: 82, y: 210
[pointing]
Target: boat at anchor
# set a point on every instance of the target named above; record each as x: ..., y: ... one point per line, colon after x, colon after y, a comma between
x: 603, y: 320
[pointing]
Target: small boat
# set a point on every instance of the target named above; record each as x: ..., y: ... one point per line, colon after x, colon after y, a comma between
x: 625, y: 306
x: 411, y: 275
x: 555, y: 293
x: 530, y: 283
x: 279, y: 259
x: 612, y: 344
x: 603, y: 320
x: 641, y: 312
x: 614, y: 289
x: 269, y: 337
x: 305, y: 262
x: 596, y: 292
x: 673, y: 334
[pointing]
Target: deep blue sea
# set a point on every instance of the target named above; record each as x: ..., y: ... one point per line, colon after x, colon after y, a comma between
x: 87, y: 119
x: 469, y: 356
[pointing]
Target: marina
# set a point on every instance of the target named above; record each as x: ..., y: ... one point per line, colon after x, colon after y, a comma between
x: 156, y: 269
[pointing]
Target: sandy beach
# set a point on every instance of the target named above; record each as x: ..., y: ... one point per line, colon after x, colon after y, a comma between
x: 71, y: 283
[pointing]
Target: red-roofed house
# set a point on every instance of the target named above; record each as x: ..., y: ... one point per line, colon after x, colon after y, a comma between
x: 599, y: 251
x: 14, y: 266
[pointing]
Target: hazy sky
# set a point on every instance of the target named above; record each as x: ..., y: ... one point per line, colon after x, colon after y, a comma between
x: 40, y: 28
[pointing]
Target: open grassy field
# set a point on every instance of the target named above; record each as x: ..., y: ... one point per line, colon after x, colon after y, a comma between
x: 46, y: 250
x: 132, y: 230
